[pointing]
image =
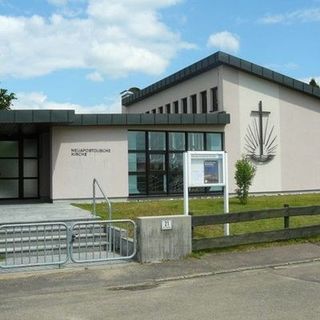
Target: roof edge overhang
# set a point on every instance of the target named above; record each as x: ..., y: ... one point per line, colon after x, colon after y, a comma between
x: 69, y: 118
x: 37, y: 116
x: 213, y: 61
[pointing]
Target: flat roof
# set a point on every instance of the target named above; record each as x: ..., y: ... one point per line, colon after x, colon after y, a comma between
x: 213, y: 61
x: 70, y: 118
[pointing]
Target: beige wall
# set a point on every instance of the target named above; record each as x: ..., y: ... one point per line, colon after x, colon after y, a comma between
x: 205, y: 81
x: 295, y: 118
x: 300, y: 133
x: 72, y: 175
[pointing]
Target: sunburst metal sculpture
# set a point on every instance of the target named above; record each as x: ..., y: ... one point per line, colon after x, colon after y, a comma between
x: 260, y: 140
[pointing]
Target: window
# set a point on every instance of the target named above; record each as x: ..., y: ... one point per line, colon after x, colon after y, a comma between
x: 214, y: 97
x: 19, y: 163
x: 154, y: 111
x: 157, y: 141
x: 137, y: 162
x: 214, y: 141
x: 155, y: 160
x: 168, y: 108
x: 160, y: 109
x: 194, y: 103
x: 195, y: 141
x: 147, y: 111
x: 184, y: 105
x: 204, y: 101
x: 136, y: 140
x: 176, y: 107
x: 177, y: 141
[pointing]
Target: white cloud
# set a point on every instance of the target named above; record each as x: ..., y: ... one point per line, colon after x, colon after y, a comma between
x: 39, y: 101
x: 95, y: 76
x: 115, y: 37
x: 302, y: 15
x: 225, y: 41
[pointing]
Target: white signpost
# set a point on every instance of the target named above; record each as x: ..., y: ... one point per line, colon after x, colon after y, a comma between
x: 206, y: 169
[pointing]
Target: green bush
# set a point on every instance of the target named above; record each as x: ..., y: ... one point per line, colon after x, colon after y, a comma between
x: 244, y: 174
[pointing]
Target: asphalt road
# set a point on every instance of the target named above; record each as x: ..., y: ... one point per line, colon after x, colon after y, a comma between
x: 291, y: 292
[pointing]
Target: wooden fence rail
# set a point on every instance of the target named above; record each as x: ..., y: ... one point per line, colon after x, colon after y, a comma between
x: 257, y: 237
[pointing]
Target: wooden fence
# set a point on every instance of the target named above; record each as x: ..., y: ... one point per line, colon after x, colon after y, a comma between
x: 257, y: 237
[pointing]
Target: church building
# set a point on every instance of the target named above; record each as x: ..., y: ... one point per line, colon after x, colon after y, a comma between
x: 218, y: 103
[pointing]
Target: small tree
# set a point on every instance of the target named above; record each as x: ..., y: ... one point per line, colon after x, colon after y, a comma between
x: 6, y: 99
x: 244, y: 174
x: 313, y: 83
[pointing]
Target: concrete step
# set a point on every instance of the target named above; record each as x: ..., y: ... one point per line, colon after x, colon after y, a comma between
x: 54, y: 238
x: 52, y: 247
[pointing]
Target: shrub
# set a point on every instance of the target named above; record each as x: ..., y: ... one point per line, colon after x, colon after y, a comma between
x: 244, y: 174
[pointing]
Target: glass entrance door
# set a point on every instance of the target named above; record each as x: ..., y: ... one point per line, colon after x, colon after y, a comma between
x: 19, y: 169
x: 9, y: 169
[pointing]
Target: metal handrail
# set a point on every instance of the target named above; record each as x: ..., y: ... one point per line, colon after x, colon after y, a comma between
x: 94, y: 183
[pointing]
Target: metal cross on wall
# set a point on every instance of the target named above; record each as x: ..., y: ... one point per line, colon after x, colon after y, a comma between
x: 260, y: 114
x: 259, y: 138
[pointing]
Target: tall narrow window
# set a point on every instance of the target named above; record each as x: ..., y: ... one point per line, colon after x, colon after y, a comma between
x: 168, y: 108
x: 214, y: 97
x: 184, y: 105
x: 153, y: 110
x: 137, y: 162
x: 176, y: 107
x: 204, y: 101
x: 194, y: 103
x: 160, y: 109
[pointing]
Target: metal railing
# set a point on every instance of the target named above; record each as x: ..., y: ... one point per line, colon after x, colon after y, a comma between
x: 56, y: 243
x: 33, y: 244
x: 103, y: 241
x: 94, y: 184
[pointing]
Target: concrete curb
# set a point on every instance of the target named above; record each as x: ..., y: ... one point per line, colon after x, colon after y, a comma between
x: 156, y: 282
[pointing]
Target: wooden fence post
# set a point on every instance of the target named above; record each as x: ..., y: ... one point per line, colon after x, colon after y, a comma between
x: 286, y: 220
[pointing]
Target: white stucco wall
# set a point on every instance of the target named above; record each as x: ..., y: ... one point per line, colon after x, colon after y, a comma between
x: 300, y: 133
x: 295, y: 118
x: 72, y: 175
x: 204, y: 81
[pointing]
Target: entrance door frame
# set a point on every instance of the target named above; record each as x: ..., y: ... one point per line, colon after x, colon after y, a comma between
x: 19, y: 137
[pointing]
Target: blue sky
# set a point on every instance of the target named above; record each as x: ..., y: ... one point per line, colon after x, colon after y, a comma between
x: 81, y: 54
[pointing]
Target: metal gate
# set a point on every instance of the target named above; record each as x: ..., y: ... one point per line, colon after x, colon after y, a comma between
x: 57, y: 243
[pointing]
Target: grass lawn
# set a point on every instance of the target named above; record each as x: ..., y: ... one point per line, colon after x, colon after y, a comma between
x: 134, y: 209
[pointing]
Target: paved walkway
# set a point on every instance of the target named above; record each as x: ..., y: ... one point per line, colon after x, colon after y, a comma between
x: 12, y: 213
x: 133, y: 273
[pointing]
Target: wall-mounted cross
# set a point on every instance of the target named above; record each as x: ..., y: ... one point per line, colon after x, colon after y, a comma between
x: 260, y: 114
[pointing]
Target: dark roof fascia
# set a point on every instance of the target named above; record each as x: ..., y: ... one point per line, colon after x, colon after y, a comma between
x: 213, y: 61
x: 37, y: 116
x: 138, y: 119
x: 69, y: 118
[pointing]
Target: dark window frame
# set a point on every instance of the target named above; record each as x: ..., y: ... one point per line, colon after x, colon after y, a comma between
x: 193, y: 103
x: 214, y: 99
x: 20, y: 137
x: 167, y: 172
x: 184, y: 105
x: 176, y: 106
x: 204, y: 101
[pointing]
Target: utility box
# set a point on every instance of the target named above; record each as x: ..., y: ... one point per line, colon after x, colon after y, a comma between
x: 164, y: 238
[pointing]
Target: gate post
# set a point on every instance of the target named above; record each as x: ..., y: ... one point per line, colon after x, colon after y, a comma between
x: 164, y: 238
